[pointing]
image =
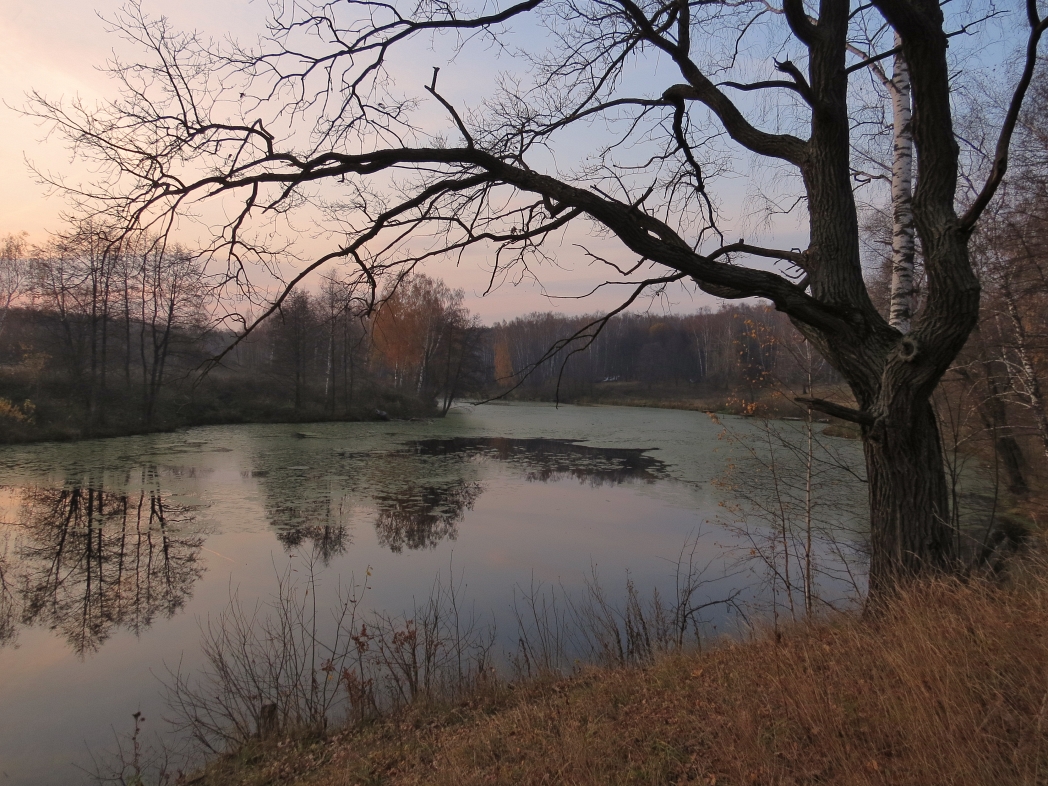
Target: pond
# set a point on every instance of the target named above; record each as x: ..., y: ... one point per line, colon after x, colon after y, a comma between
x: 114, y: 553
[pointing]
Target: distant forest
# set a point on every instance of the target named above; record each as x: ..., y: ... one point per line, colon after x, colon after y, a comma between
x: 102, y: 341
x: 98, y: 340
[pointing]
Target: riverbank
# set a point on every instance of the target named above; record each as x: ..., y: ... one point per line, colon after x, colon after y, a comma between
x: 767, y: 402
x: 770, y: 401
x: 946, y: 686
x: 42, y: 414
x: 61, y: 415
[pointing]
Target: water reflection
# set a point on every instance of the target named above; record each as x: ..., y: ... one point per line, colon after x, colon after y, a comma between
x: 553, y: 459
x: 421, y: 516
x: 8, y: 601
x: 306, y: 507
x: 86, y: 558
x: 85, y: 561
x: 420, y: 492
x: 328, y: 541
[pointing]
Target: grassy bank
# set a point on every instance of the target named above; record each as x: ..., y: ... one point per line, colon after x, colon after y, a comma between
x: 698, y: 398
x: 32, y: 411
x: 766, y: 402
x: 948, y: 685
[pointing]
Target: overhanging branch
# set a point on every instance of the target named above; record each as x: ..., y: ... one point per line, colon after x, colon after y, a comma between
x: 837, y: 410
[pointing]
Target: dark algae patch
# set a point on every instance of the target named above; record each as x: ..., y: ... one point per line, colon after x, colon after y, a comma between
x: 552, y: 459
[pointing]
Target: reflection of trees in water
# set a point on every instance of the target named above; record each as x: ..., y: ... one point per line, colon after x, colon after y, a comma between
x: 8, y: 600
x: 549, y: 460
x: 328, y: 540
x: 87, y: 561
x: 314, y: 506
x: 423, y: 491
x: 305, y: 508
x: 419, y: 516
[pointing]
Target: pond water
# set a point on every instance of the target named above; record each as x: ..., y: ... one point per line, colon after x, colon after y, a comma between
x: 114, y: 553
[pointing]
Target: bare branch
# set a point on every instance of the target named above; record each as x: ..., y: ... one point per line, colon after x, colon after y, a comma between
x: 837, y: 410
x: 1000, y: 157
x: 432, y: 90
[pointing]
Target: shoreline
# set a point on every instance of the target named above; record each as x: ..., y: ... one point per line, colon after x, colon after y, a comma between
x: 23, y: 434
x: 58, y: 434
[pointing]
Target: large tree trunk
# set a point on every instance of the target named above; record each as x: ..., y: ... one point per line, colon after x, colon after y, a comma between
x: 891, y: 373
x: 910, y: 530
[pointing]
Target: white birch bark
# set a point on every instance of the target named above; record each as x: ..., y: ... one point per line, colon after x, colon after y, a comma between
x: 901, y: 304
x: 900, y: 311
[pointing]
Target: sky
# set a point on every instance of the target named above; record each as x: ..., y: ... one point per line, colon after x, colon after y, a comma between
x: 57, y: 47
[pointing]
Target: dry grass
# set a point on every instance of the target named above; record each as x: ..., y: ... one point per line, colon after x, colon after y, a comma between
x: 765, y: 402
x: 949, y: 685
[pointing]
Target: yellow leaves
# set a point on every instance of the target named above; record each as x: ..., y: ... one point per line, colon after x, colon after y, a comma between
x: 23, y: 413
x: 411, y: 322
x: 503, y: 362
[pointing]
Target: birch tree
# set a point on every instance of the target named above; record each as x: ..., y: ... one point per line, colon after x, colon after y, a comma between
x: 900, y: 310
x: 903, y: 238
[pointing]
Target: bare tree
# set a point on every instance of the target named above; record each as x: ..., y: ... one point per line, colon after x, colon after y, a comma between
x: 320, y: 110
x: 15, y: 273
x: 76, y: 281
x: 295, y: 345
x: 170, y: 295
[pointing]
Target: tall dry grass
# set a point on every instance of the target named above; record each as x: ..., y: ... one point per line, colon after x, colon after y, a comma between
x: 948, y: 684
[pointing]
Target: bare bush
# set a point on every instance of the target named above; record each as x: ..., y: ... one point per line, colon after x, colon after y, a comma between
x: 794, y: 502
x: 137, y: 759
x: 280, y: 667
x: 556, y: 632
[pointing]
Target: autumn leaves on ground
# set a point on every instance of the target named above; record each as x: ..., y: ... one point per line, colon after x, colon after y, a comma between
x: 947, y: 684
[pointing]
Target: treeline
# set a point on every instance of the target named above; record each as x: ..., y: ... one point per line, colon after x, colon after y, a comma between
x: 92, y: 332
x: 333, y: 353
x: 101, y: 338
x: 740, y: 351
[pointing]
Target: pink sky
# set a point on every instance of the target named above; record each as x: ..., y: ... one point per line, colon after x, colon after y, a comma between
x: 55, y: 46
